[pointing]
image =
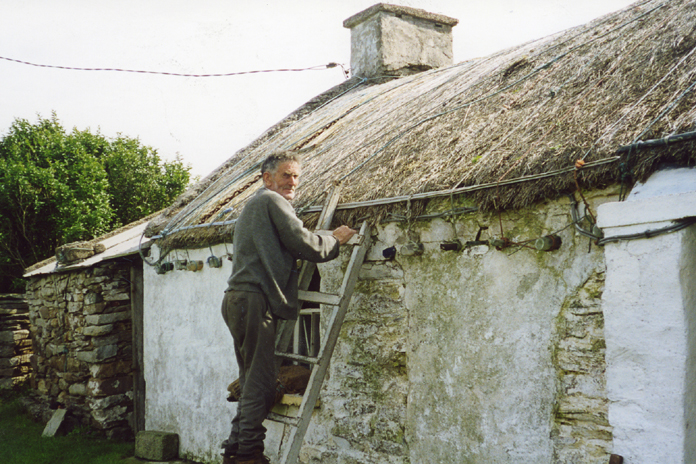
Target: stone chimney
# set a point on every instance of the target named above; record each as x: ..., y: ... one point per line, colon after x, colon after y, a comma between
x: 391, y: 40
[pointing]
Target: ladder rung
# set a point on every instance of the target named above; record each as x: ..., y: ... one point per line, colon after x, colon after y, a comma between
x: 310, y: 311
x: 318, y: 297
x: 298, y: 357
x: 287, y: 420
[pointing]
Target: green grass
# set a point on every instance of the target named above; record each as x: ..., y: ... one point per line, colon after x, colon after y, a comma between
x: 21, y: 441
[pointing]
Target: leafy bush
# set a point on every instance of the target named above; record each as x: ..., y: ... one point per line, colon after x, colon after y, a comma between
x: 58, y: 187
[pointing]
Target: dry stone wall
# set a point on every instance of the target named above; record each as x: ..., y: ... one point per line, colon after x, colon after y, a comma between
x: 15, y: 342
x: 82, y: 333
x: 581, y: 430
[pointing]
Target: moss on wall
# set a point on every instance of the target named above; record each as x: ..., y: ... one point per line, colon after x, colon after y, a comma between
x: 457, y: 356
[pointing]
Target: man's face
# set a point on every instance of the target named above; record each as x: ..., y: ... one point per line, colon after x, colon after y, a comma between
x: 284, y: 180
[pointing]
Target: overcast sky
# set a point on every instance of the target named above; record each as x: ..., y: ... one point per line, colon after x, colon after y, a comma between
x: 206, y: 120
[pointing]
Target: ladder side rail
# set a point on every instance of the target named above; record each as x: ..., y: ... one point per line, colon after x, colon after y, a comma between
x: 325, y: 219
x: 296, y: 438
x: 287, y: 329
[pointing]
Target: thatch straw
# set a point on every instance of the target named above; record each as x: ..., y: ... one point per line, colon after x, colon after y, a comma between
x: 531, y: 109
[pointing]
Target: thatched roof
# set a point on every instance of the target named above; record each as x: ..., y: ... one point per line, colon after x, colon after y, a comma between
x: 477, y: 127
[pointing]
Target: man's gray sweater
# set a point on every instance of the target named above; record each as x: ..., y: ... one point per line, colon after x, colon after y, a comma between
x: 268, y: 239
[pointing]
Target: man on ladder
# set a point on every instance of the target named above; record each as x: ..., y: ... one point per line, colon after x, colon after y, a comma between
x: 268, y: 239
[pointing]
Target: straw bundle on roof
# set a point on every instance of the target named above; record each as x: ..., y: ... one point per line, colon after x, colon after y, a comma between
x: 482, y: 128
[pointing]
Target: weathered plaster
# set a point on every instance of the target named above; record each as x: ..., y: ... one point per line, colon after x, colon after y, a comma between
x: 687, y: 277
x: 188, y: 356
x: 649, y: 310
x: 482, y: 378
x: 454, y: 356
x: 444, y: 357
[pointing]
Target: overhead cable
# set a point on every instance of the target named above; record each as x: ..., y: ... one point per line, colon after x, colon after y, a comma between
x: 676, y: 226
x: 162, y: 73
x: 663, y: 142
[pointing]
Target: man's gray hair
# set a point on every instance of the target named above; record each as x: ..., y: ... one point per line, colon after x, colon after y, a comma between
x: 274, y: 160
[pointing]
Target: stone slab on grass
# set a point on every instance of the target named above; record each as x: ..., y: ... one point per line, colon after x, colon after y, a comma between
x: 54, y: 424
x: 156, y: 446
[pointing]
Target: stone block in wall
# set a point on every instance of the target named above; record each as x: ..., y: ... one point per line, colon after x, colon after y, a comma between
x: 110, y: 401
x: 14, y: 361
x: 78, y: 389
x: 98, y: 354
x: 112, y: 414
x: 74, y: 365
x: 91, y: 298
x: 11, y: 336
x: 15, y: 371
x: 109, y: 387
x: 97, y: 330
x: 96, y: 280
x: 117, y: 307
x: 117, y: 295
x: 52, y: 349
x: 16, y: 322
x: 46, y: 292
x: 100, y: 319
x: 74, y: 307
x: 103, y: 371
x: 57, y: 363
x: 95, y: 308
x: 46, y: 313
x: 108, y: 340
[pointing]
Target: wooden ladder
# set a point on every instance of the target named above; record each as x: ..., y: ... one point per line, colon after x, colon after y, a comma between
x: 290, y: 450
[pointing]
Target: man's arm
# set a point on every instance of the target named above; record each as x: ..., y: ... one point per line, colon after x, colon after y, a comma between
x: 301, y: 243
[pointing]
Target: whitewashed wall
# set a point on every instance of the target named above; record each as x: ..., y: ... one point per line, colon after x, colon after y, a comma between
x: 188, y: 356
x: 454, y: 356
x: 650, y: 311
x: 445, y: 357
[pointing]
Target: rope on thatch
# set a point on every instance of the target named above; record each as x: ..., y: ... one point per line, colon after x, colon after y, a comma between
x: 529, y: 75
x: 526, y: 113
x: 204, y: 197
x: 669, y: 108
x: 635, y: 105
x: 467, y: 189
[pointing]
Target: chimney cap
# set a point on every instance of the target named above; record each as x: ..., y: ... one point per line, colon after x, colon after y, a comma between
x: 398, y: 10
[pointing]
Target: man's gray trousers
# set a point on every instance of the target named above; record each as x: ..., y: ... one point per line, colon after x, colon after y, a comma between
x: 253, y: 327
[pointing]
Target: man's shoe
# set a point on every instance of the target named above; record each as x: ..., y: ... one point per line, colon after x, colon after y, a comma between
x: 258, y: 458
